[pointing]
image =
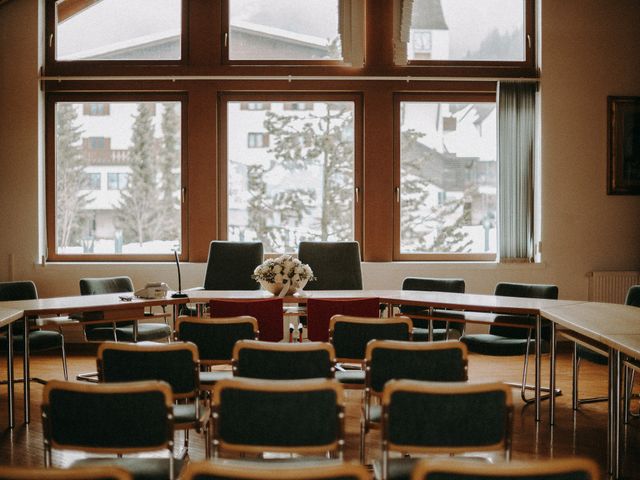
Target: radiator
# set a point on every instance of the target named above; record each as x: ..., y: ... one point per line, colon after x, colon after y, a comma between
x: 611, y: 287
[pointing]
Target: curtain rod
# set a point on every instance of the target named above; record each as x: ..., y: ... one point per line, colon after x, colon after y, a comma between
x: 288, y: 78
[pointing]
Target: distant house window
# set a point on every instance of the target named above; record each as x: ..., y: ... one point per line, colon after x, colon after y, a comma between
x: 255, y: 106
x: 298, y: 106
x: 97, y: 143
x: 257, y: 140
x: 95, y: 109
x: 93, y: 181
x: 117, y: 180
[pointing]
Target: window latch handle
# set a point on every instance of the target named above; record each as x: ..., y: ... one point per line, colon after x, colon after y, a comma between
x: 398, y: 194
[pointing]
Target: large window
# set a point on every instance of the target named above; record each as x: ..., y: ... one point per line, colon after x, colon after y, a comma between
x: 137, y: 212
x: 110, y: 30
x: 303, y: 186
x: 446, y: 192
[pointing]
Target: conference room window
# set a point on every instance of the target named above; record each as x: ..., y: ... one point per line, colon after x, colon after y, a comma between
x: 139, y: 213
x: 116, y: 30
x: 446, y: 187
x: 303, y: 186
x: 459, y: 32
x: 294, y: 32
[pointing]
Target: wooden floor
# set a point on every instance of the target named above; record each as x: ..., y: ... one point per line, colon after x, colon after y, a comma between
x: 581, y: 433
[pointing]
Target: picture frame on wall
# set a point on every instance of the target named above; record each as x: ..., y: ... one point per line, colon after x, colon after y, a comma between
x: 623, y: 163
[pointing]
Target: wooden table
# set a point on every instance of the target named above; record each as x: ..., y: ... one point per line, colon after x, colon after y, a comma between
x: 617, y: 329
x: 429, y: 300
x: 7, y: 318
x: 67, y: 305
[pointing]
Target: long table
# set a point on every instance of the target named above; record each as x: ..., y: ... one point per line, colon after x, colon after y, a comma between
x: 7, y: 318
x: 617, y: 329
x: 132, y: 309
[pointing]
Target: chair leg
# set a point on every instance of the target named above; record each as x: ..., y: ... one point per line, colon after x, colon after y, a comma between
x: 363, y: 432
x: 63, y: 354
x: 575, y: 369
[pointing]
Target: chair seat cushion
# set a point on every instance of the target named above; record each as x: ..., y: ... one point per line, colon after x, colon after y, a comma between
x: 350, y: 377
x: 588, y: 354
x: 140, y: 468
x: 146, y: 332
x: 488, y: 344
x: 399, y: 468
x: 210, y: 378
x: 39, y: 340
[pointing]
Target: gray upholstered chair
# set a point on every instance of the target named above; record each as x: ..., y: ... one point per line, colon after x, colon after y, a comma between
x: 245, y: 470
x: 215, y: 339
x: 121, y: 331
x: 420, y: 315
x: 39, y: 339
x: 556, y: 469
x: 503, y: 340
x: 231, y: 264
x: 442, y: 417
x: 119, y: 418
x: 350, y: 335
x: 174, y: 363
x: 283, y: 416
x: 387, y: 360
x: 283, y: 361
x: 335, y: 265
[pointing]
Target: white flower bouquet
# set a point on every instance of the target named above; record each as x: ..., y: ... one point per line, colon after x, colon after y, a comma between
x: 283, y: 275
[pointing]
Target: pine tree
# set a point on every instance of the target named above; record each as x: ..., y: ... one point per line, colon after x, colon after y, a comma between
x: 71, y: 179
x: 169, y: 181
x: 137, y: 213
x: 299, y: 144
x: 427, y: 229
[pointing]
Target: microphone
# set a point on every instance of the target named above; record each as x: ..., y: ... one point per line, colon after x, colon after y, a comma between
x: 179, y: 293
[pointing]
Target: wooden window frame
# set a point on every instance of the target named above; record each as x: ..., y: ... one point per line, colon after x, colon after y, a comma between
x: 457, y: 97
x: 318, y: 96
x: 528, y: 64
x: 50, y: 171
x: 53, y: 64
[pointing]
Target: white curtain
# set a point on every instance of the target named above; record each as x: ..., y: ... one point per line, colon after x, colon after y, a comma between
x: 401, y: 30
x: 516, y: 143
x: 351, y: 14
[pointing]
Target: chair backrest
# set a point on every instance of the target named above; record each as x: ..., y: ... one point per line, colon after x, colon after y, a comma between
x: 283, y: 361
x: 73, y: 473
x: 215, y: 337
x: 555, y: 469
x: 99, y: 286
x: 438, y: 417
x: 320, y: 311
x: 281, y: 470
x: 231, y: 264
x: 335, y: 265
x: 350, y: 335
x: 302, y: 416
x: 175, y: 363
x: 633, y: 296
x: 387, y: 360
x: 525, y: 290
x: 99, y: 418
x: 21, y: 290
x: 422, y: 284
x: 267, y: 311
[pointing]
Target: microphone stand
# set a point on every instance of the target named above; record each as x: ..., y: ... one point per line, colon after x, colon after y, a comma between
x: 179, y: 293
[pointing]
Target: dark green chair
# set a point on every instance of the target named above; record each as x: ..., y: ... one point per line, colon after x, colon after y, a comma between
x: 121, y: 331
x: 78, y: 473
x: 230, y: 470
x: 215, y: 339
x: 283, y: 361
x: 284, y: 416
x: 174, y: 363
x: 442, y: 418
x: 387, y: 360
x: 420, y: 315
x: 350, y: 335
x: 335, y: 265
x: 39, y: 340
x: 119, y: 418
x: 504, y: 340
x: 556, y: 469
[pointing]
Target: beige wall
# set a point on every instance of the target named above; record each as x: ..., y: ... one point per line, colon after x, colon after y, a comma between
x: 589, y: 50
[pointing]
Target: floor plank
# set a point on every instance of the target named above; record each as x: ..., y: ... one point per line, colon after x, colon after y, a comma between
x: 579, y: 433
